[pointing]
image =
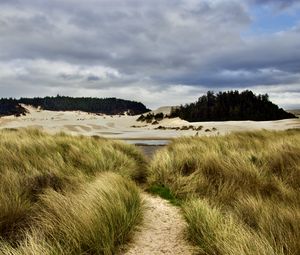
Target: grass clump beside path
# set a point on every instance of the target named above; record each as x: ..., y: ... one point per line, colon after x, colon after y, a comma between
x: 61, y: 194
x: 165, y: 193
x: 240, y: 192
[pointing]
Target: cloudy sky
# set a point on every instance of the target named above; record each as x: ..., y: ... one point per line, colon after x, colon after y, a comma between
x: 160, y: 52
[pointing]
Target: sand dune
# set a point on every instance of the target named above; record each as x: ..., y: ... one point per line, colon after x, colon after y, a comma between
x: 163, y: 109
x: 126, y: 127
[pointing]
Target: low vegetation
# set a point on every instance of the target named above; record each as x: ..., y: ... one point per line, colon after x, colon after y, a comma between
x: 239, y: 193
x: 151, y: 118
x: 190, y: 127
x: 61, y: 194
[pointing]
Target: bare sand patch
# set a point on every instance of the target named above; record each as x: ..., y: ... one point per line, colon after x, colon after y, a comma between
x: 77, y: 128
x: 110, y: 124
x: 85, y: 128
x: 97, y: 127
x: 72, y: 128
x: 108, y: 133
x: 36, y: 126
x: 4, y: 121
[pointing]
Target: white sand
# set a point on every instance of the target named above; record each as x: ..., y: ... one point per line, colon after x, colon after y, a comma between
x: 164, y: 109
x: 120, y: 127
x: 162, y: 232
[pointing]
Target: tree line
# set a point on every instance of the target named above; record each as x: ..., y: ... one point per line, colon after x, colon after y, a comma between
x: 109, y: 106
x: 231, y: 105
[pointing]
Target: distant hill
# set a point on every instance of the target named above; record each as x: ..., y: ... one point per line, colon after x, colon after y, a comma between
x: 231, y: 105
x: 109, y: 106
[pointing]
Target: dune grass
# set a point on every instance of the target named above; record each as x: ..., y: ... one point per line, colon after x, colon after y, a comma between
x: 61, y: 194
x: 240, y: 193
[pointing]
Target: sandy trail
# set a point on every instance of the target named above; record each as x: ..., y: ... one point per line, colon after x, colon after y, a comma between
x: 162, y: 231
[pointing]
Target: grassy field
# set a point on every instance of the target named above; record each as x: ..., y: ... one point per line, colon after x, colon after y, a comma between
x: 61, y: 194
x: 240, y: 193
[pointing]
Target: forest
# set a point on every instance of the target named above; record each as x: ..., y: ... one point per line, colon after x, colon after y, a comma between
x: 231, y: 105
x: 109, y: 106
x: 11, y: 107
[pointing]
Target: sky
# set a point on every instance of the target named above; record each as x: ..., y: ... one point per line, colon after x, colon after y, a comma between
x: 159, y: 52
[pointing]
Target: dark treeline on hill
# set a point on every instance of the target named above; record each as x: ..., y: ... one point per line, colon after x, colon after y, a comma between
x: 11, y: 107
x: 231, y: 105
x: 87, y: 104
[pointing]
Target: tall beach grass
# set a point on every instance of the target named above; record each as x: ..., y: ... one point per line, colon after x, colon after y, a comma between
x: 240, y: 192
x: 61, y: 194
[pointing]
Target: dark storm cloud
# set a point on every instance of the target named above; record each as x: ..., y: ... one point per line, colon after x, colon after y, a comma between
x: 119, y: 47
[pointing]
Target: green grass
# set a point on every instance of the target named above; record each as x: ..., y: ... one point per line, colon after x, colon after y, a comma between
x: 240, y: 192
x: 165, y: 193
x: 61, y: 194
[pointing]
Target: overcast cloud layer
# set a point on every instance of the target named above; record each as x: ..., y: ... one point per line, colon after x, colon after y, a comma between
x: 160, y: 52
